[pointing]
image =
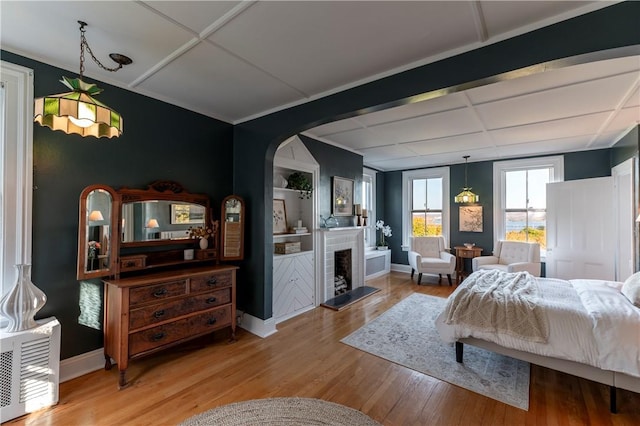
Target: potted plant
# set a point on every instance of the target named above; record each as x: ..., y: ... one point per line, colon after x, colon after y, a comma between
x: 385, y: 231
x: 300, y: 182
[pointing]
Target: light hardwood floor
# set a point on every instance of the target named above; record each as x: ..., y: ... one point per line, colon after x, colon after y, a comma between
x: 305, y: 358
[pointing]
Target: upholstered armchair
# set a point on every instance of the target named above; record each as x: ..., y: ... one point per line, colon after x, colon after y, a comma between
x: 428, y: 255
x: 511, y: 256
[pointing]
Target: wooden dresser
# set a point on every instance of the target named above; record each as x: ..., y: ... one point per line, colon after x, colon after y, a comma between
x: 151, y: 312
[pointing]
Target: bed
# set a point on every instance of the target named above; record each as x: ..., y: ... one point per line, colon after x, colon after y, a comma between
x: 588, y: 328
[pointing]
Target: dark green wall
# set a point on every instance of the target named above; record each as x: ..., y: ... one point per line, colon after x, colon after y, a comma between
x: 335, y: 162
x: 255, y: 141
x: 196, y: 152
x: 627, y: 147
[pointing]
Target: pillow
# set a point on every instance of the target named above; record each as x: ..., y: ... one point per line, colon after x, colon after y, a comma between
x: 631, y: 289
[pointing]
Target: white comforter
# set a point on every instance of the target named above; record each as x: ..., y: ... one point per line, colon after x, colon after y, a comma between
x: 591, y: 322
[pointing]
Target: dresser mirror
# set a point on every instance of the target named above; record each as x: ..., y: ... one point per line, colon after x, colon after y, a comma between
x: 98, y: 232
x: 137, y: 229
x: 232, y: 229
x: 160, y: 214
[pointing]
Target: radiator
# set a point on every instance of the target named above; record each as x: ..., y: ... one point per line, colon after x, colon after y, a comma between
x: 30, y: 369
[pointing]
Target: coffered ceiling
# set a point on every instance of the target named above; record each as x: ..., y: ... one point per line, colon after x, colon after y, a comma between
x: 239, y: 60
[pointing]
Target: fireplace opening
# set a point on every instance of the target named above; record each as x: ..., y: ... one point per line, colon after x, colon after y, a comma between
x: 342, y: 272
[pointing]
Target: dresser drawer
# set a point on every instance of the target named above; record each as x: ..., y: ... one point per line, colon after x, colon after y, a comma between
x: 151, y: 314
x: 156, y: 337
x: 211, y: 281
x: 130, y: 263
x: 153, y: 293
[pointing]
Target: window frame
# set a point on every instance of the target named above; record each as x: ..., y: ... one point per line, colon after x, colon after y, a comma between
x: 500, y: 169
x: 16, y: 184
x: 369, y: 175
x: 407, y: 187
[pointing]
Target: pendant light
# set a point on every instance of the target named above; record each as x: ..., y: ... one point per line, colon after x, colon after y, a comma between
x: 77, y: 111
x: 466, y: 196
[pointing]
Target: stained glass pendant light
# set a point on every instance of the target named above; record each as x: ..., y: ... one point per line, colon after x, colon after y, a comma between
x: 77, y: 111
x: 466, y: 196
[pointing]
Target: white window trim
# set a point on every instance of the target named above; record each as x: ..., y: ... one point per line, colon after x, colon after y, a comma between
x: 16, y: 158
x: 436, y: 172
x: 500, y: 168
x: 371, y: 214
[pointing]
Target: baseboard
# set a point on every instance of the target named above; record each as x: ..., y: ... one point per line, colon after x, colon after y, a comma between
x: 259, y: 327
x: 398, y: 267
x: 82, y: 364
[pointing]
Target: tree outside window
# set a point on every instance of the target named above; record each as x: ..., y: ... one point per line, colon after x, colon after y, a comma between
x: 426, y: 211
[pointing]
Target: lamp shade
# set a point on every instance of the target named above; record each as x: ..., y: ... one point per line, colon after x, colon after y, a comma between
x: 78, y: 112
x: 466, y: 196
x: 153, y: 223
x: 96, y: 215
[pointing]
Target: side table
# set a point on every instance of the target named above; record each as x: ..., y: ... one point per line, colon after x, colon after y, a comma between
x: 463, y: 253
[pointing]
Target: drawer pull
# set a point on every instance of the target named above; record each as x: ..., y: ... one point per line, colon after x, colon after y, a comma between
x: 160, y: 293
x: 211, y: 321
x: 212, y: 281
x: 158, y: 314
x: 158, y: 336
x: 211, y: 300
x: 130, y: 264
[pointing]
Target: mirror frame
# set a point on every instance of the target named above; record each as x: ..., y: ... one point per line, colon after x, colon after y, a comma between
x: 223, y: 233
x: 114, y: 233
x: 165, y: 191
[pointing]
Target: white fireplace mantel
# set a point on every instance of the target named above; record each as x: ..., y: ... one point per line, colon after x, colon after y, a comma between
x: 335, y: 239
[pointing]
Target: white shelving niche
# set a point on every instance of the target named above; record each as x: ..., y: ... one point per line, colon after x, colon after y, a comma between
x: 295, y: 288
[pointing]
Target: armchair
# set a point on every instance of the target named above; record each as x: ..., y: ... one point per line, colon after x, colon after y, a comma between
x: 511, y: 256
x: 427, y: 255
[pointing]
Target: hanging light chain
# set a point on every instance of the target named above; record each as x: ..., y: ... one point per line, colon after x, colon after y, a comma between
x: 83, y: 44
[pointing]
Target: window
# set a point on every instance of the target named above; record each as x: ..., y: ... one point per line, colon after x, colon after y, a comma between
x: 425, y: 200
x: 520, y: 198
x: 368, y: 203
x: 16, y: 122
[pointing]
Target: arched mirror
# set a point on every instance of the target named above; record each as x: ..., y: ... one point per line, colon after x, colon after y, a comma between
x: 97, y: 232
x: 232, y: 228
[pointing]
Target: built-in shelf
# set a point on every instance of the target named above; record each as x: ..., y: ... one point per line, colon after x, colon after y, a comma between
x: 290, y: 235
x: 275, y: 255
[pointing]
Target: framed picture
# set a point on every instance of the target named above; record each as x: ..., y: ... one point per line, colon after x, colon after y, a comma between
x: 187, y: 214
x: 342, y: 196
x: 470, y: 218
x: 279, y: 217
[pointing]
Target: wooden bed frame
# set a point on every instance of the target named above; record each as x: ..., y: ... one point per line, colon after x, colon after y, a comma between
x: 611, y: 378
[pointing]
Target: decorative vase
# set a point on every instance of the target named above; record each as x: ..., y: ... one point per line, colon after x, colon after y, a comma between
x: 204, y: 243
x: 383, y: 247
x: 22, y: 302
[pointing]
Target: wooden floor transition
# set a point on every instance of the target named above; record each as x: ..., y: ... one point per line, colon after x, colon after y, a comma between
x: 305, y: 358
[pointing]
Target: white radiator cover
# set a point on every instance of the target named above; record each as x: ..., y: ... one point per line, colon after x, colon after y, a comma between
x: 30, y: 369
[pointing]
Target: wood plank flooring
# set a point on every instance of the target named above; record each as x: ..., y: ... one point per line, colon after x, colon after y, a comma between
x: 305, y: 358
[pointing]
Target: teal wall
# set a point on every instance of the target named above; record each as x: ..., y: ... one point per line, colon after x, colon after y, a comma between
x: 255, y: 141
x: 216, y: 158
x: 196, y: 152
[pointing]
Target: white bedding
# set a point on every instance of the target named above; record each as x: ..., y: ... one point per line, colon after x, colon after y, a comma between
x: 591, y: 322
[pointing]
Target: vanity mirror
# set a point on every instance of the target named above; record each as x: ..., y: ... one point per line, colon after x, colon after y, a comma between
x: 232, y: 229
x: 137, y: 229
x: 98, y: 232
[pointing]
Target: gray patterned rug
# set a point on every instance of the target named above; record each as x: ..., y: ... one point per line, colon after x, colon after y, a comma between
x: 406, y: 334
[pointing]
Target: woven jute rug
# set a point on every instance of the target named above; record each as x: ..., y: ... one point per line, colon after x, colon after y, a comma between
x: 281, y: 411
x: 406, y: 334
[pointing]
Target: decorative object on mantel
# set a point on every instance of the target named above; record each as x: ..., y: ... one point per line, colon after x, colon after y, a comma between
x: 385, y: 231
x: 330, y: 222
x: 466, y: 196
x: 22, y: 302
x: 342, y: 196
x: 77, y: 111
x: 300, y: 182
x: 365, y: 216
x: 357, y: 210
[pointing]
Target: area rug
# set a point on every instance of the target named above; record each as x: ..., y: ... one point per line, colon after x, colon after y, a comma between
x: 281, y: 411
x: 406, y: 334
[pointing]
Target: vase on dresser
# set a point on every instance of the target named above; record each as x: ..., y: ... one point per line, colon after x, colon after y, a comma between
x: 22, y: 302
x: 204, y: 243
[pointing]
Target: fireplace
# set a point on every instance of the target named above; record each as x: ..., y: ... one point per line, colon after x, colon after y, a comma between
x: 349, y: 242
x: 342, y: 271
